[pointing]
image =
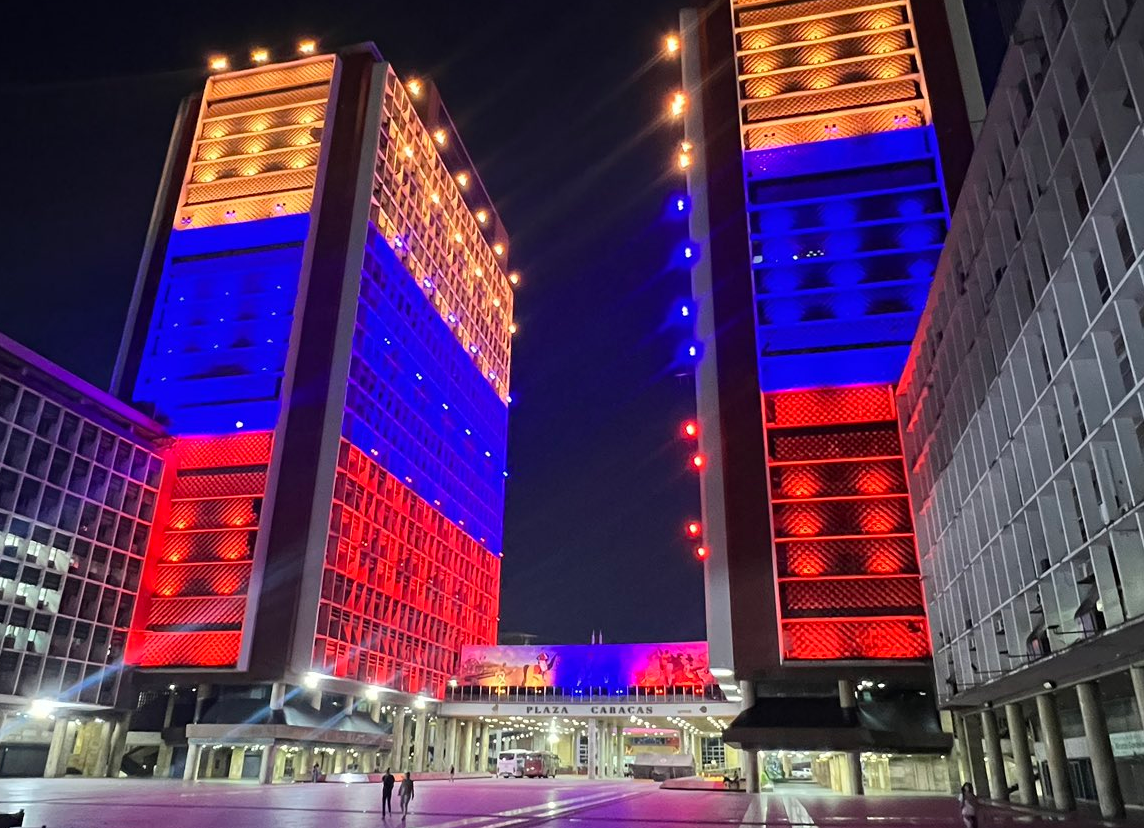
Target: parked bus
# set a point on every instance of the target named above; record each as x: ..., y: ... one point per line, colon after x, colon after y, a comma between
x: 511, y: 763
x: 540, y: 765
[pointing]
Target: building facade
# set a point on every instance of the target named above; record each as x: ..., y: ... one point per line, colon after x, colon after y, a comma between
x: 322, y: 320
x: 80, y: 481
x: 1022, y: 421
x: 819, y: 205
x: 279, y: 567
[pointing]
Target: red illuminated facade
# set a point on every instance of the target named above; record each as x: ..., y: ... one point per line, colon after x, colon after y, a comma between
x: 323, y: 320
x: 845, y: 564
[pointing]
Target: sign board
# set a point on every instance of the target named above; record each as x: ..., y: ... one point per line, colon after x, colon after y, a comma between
x: 581, y: 710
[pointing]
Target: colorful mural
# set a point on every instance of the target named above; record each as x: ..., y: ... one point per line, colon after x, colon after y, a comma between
x: 586, y: 665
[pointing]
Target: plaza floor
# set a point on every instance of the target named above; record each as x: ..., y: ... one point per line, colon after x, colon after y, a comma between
x: 495, y: 803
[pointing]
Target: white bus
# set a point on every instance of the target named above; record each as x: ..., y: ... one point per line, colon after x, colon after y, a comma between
x: 511, y: 763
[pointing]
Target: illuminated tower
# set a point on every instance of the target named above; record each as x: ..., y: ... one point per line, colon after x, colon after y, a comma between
x: 819, y: 202
x: 322, y: 319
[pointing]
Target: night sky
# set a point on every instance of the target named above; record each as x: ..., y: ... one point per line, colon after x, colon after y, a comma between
x: 560, y: 106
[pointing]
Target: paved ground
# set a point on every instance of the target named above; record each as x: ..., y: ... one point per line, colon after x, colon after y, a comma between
x: 495, y: 803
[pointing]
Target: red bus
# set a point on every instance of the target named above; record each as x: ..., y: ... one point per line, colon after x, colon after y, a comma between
x: 540, y: 765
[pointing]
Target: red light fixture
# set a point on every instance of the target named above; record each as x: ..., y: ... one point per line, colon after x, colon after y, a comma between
x: 701, y: 552
x: 698, y: 461
x: 691, y: 429
x: 694, y: 529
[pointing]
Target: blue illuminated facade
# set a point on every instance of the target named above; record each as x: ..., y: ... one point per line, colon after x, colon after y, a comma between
x: 845, y: 236
x: 418, y: 404
x: 220, y: 330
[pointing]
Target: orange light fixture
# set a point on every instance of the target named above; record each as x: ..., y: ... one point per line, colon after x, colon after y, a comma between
x: 678, y: 104
x: 415, y: 87
x: 440, y: 136
x: 671, y: 44
x: 260, y: 55
x: 307, y: 46
x: 462, y: 179
x: 218, y: 63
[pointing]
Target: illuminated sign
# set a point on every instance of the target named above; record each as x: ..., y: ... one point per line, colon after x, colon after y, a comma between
x: 587, y: 666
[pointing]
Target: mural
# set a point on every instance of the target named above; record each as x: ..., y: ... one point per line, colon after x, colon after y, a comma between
x: 586, y: 665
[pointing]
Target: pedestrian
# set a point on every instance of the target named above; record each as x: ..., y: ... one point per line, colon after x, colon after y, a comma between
x: 387, y: 792
x: 315, y: 773
x: 406, y: 793
x: 968, y: 802
x: 452, y: 772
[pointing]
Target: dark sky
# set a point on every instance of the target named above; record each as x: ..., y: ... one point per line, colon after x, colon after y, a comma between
x: 560, y: 106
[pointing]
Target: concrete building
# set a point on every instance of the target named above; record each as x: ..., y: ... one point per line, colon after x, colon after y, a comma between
x: 321, y: 331
x: 822, y: 144
x: 1023, y: 424
x: 80, y: 479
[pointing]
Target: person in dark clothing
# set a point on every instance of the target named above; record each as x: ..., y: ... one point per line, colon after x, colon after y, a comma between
x: 387, y: 783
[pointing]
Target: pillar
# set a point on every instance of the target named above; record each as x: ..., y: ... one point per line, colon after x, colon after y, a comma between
x: 163, y: 763
x: 339, y: 760
x: 1137, y: 674
x: 202, y: 695
x: 103, y: 755
x: 852, y: 783
x: 57, y: 764
x: 974, y: 757
x: 750, y: 756
x: 169, y: 713
x: 277, y: 695
x: 398, y: 751
x: 464, y: 746
x: 266, y: 767
x: 420, y: 740
x: 451, y: 744
x: 236, y: 756
x: 593, y: 747
x: 118, y: 745
x: 998, y: 787
x: 1022, y: 760
x: 1108, y: 792
x: 483, y: 753
x: 194, y: 754
x: 1055, y: 752
x: 303, y: 763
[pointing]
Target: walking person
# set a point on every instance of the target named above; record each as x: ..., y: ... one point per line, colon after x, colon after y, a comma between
x: 387, y: 793
x: 968, y: 801
x: 316, y: 773
x: 452, y: 772
x: 405, y: 794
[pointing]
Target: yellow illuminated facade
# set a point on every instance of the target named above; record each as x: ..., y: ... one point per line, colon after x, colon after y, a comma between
x: 257, y: 144
x: 435, y: 228
x: 825, y: 69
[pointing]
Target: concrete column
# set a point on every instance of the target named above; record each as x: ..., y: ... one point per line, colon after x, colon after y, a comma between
x: 1055, y: 752
x: 57, y: 764
x: 998, y: 787
x: 375, y: 711
x: 750, y: 757
x: 1108, y: 792
x: 169, y: 713
x: 451, y: 744
x: 163, y: 763
x: 303, y: 763
x: 118, y: 745
x: 397, y: 754
x: 483, y: 753
x: 339, y: 760
x: 194, y: 754
x: 420, y: 740
x: 103, y: 755
x: 1022, y: 759
x: 464, y: 746
x: 1137, y: 674
x: 236, y: 756
x: 410, y: 744
x: 853, y: 783
x: 202, y: 695
x: 266, y: 767
x: 593, y: 748
x: 277, y: 695
x: 974, y: 757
